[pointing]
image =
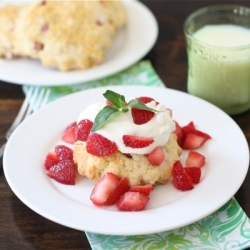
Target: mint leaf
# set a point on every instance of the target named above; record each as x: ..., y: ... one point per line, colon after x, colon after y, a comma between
x: 140, y: 105
x: 104, y: 115
x: 116, y: 99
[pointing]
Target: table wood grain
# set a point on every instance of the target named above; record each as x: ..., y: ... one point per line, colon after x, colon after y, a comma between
x: 20, y: 227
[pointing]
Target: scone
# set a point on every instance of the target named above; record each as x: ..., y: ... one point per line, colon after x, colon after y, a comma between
x: 137, y: 143
x: 137, y: 169
x: 66, y: 35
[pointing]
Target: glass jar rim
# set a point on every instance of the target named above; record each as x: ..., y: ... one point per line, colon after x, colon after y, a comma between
x: 208, y: 9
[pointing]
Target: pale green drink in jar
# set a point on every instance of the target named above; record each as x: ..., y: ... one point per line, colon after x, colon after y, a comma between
x: 219, y: 57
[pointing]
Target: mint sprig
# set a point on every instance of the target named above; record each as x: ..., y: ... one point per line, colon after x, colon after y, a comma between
x: 119, y: 105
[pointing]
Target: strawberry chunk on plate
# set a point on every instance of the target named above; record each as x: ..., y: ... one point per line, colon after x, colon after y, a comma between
x: 103, y: 188
x: 195, y: 159
x: 51, y: 160
x: 69, y: 133
x: 143, y: 189
x: 181, y: 180
x: 194, y: 173
x: 121, y: 188
x: 63, y: 172
x: 132, y: 201
x: 156, y: 157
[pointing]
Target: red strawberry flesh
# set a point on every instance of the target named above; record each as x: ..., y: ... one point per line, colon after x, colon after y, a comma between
x: 181, y: 180
x: 63, y: 152
x: 156, y: 157
x: 98, y: 145
x: 51, y: 160
x: 136, y: 142
x: 103, y: 188
x: 194, y: 173
x: 143, y: 189
x: 132, y: 201
x: 195, y: 159
x: 121, y: 188
x: 69, y: 133
x: 63, y: 172
x: 83, y: 129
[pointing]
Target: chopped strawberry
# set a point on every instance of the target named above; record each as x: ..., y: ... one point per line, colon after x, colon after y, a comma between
x: 136, y: 142
x: 83, y: 129
x: 181, y: 180
x: 64, y: 152
x: 194, y: 140
x: 195, y: 159
x: 98, y: 145
x: 132, y: 201
x: 145, y: 99
x: 156, y: 157
x: 141, y: 116
x: 63, y: 172
x: 194, y: 173
x: 179, y: 133
x: 51, y: 160
x: 103, y: 188
x: 121, y: 188
x: 190, y: 125
x: 143, y: 189
x: 69, y: 133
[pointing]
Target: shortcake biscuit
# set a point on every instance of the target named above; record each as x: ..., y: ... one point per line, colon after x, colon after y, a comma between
x: 137, y: 169
x: 68, y: 34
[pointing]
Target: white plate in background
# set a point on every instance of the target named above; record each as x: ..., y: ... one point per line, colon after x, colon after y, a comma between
x: 129, y: 46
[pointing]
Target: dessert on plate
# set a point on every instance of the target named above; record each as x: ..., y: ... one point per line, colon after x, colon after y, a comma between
x: 139, y: 144
x: 67, y: 35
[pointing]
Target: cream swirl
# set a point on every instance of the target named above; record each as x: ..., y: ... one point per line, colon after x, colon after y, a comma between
x: 159, y: 127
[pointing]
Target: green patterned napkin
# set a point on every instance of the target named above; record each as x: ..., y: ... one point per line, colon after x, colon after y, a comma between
x: 227, y: 228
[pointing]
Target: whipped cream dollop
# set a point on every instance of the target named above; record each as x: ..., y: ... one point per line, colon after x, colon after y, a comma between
x: 159, y: 127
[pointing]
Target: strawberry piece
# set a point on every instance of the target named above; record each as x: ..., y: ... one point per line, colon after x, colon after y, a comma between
x: 136, y: 141
x: 51, y: 160
x: 142, y: 189
x: 120, y: 189
x: 194, y: 140
x: 178, y: 131
x: 63, y: 172
x: 194, y: 173
x: 98, y: 145
x: 69, y: 133
x: 103, y: 188
x: 195, y: 159
x: 145, y: 99
x: 141, y: 116
x: 83, y: 129
x: 181, y: 180
x: 156, y: 157
x: 64, y: 152
x: 132, y: 201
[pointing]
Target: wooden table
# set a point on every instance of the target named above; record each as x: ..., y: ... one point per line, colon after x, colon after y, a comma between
x: 20, y: 227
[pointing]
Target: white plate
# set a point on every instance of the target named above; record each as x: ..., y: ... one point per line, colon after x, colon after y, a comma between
x: 168, y: 208
x: 129, y: 45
